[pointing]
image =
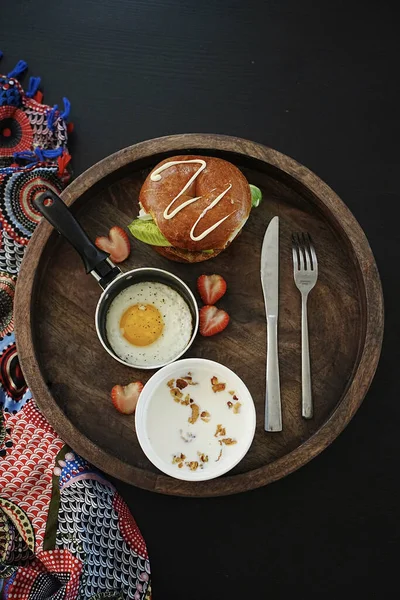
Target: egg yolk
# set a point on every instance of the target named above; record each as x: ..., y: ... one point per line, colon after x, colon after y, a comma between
x: 141, y: 324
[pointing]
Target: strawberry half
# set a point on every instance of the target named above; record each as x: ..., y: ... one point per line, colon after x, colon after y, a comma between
x: 117, y: 244
x: 211, y: 288
x: 212, y: 320
x: 125, y: 397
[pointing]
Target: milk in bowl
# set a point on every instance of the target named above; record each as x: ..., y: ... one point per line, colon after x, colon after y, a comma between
x: 195, y: 419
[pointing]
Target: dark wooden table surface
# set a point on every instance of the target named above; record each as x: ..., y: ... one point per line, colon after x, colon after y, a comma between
x: 317, y: 81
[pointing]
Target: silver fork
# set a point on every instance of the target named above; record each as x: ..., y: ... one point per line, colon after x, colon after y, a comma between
x: 305, y: 267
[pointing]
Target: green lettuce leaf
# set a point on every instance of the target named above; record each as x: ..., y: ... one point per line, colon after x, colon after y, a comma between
x: 148, y: 232
x: 256, y: 195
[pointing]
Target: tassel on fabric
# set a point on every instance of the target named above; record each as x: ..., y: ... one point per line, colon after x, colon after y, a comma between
x: 38, y: 97
x: 19, y: 68
x: 51, y: 116
x: 67, y: 107
x: 39, y: 154
x: 25, y: 155
x: 63, y: 161
x: 55, y: 153
x: 34, y: 83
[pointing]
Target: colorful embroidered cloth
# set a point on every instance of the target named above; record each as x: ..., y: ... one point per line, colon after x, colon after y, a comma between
x: 65, y: 533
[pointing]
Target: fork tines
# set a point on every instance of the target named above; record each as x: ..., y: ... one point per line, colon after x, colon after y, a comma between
x: 304, y: 256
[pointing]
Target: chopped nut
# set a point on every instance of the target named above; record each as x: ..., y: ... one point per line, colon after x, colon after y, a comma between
x: 181, y: 384
x: 216, y: 385
x: 228, y: 441
x: 203, y: 457
x: 178, y: 459
x: 189, y: 379
x: 185, y: 402
x: 229, y: 403
x: 235, y: 397
x: 231, y: 392
x: 193, y: 465
x: 218, y: 388
x: 220, y: 431
x: 236, y: 408
x: 195, y: 414
x: 171, y: 383
x: 205, y: 416
x: 219, y: 456
x: 191, y: 400
x: 176, y: 394
x: 180, y: 465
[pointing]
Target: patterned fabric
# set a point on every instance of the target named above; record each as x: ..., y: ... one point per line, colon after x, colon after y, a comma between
x: 65, y: 533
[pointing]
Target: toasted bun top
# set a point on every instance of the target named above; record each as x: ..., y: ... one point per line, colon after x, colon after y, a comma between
x: 218, y: 175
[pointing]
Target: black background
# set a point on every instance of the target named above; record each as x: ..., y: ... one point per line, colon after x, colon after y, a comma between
x: 318, y: 81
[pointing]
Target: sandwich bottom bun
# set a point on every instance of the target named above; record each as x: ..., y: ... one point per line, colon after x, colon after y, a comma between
x: 184, y: 256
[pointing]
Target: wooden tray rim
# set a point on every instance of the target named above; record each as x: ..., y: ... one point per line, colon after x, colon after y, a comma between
x: 368, y: 359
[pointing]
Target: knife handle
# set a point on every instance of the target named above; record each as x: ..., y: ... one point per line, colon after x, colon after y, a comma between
x: 273, y: 412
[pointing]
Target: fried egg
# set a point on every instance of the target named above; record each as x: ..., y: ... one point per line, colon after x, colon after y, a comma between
x: 148, y: 324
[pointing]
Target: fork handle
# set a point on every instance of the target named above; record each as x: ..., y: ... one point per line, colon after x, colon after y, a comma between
x: 307, y: 403
x: 273, y: 412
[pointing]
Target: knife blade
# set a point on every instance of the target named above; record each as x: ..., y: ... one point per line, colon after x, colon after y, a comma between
x: 270, y: 285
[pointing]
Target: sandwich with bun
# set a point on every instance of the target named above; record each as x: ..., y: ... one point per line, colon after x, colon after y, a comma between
x: 192, y: 207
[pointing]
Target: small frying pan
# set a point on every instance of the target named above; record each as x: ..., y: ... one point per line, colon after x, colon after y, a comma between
x: 109, y: 276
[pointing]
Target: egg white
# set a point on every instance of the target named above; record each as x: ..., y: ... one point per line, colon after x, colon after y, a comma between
x: 176, y: 316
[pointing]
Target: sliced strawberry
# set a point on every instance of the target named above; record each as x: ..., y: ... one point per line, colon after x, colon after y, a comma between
x: 211, y: 288
x: 125, y: 397
x: 212, y: 320
x: 116, y: 244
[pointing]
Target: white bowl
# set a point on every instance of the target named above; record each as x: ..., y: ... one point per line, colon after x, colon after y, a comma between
x: 161, y: 422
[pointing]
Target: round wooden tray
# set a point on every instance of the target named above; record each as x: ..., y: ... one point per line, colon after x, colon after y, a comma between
x: 71, y: 376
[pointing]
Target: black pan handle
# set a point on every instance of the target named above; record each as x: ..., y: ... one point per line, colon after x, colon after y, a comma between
x: 57, y: 213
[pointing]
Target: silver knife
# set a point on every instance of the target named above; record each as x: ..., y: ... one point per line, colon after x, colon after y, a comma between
x: 270, y: 286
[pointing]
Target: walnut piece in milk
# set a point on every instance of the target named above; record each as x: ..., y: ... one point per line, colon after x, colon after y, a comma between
x: 189, y: 379
x: 236, y: 406
x: 181, y: 384
x: 195, y: 413
x: 186, y: 400
x: 228, y: 441
x: 178, y: 460
x: 216, y: 385
x: 176, y: 394
x: 193, y: 465
x: 220, y: 431
x: 205, y: 416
